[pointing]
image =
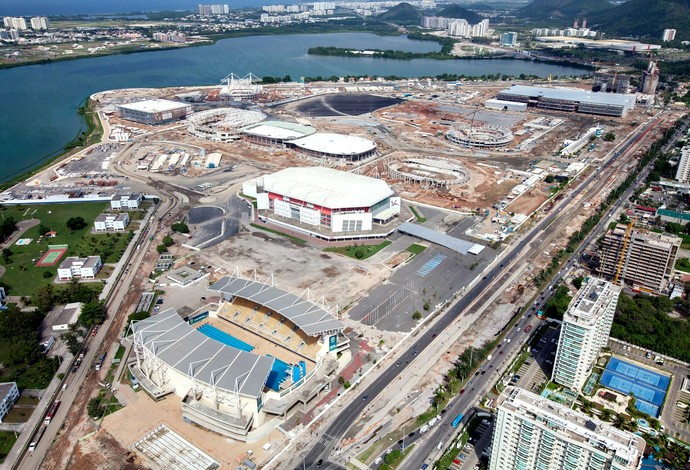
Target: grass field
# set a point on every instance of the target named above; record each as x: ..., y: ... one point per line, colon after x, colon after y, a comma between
x: 359, y: 252
x: 7, y: 440
x: 415, y: 249
x: 21, y: 276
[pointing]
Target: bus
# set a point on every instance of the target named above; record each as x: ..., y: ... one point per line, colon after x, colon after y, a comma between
x: 457, y: 420
x: 51, y: 412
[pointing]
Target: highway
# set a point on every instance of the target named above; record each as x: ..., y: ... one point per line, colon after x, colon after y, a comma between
x: 321, y: 451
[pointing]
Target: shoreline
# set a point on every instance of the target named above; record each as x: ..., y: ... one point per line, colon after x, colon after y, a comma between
x: 91, y: 136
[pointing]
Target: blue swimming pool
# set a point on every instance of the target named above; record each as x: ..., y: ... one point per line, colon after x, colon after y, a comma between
x: 649, y: 387
x: 223, y: 337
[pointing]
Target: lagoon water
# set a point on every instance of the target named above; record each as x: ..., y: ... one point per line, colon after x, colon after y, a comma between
x: 39, y: 101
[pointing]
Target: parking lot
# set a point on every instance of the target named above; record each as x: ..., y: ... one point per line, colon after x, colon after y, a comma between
x: 536, y: 370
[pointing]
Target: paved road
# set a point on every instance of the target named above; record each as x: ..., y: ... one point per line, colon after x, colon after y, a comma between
x: 323, y: 448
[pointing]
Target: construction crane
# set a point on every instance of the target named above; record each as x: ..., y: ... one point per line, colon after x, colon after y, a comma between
x: 621, y: 259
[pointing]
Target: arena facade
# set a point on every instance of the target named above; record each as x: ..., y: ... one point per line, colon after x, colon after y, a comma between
x: 487, y: 136
x: 254, y: 356
x: 222, y: 124
x: 340, y: 147
x: 429, y: 172
x: 323, y: 201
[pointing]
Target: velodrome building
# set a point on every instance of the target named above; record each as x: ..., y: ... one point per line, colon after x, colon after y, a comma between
x: 570, y: 100
x: 257, y: 355
x: 326, y: 203
x: 339, y: 147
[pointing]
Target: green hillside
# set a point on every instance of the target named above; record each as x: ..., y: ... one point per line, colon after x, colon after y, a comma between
x: 456, y: 11
x: 644, y: 18
x: 402, y: 14
x: 562, y: 9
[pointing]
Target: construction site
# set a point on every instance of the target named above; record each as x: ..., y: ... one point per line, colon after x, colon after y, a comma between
x: 506, y: 173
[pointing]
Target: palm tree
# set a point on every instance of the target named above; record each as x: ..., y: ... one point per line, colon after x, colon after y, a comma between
x: 606, y: 414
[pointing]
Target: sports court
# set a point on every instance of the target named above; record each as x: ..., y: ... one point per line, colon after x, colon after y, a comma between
x: 52, y: 256
x: 649, y: 387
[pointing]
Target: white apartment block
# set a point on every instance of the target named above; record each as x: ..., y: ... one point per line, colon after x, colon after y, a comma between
x: 82, y: 268
x: 669, y: 35
x: 114, y: 222
x: 584, y: 331
x: 463, y: 29
x: 14, y: 23
x: 683, y: 171
x: 126, y: 201
x: 534, y: 433
x: 39, y: 23
x: 9, y: 394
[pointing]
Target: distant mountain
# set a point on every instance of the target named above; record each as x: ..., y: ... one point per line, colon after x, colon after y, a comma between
x: 563, y: 9
x: 402, y: 14
x: 456, y: 11
x: 645, y: 18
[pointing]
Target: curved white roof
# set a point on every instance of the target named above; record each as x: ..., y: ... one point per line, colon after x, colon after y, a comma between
x: 308, y: 316
x: 182, y: 347
x: 327, y: 187
x: 335, y: 144
x: 279, y: 130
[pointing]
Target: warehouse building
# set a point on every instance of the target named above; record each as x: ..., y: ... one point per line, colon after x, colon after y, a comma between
x: 325, y: 202
x: 503, y: 105
x: 154, y: 112
x: 571, y: 100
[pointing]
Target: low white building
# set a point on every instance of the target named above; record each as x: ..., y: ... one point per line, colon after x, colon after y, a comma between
x: 82, y: 268
x: 9, y: 394
x: 126, y: 201
x: 69, y: 315
x: 115, y: 222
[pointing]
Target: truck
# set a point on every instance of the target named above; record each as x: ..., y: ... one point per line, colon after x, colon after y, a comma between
x: 432, y: 422
x: 424, y: 429
x: 51, y: 412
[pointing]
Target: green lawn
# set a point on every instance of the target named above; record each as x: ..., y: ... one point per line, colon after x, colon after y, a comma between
x: 22, y: 277
x: 683, y: 264
x: 7, y: 440
x: 415, y: 249
x: 359, y: 252
x: 421, y: 219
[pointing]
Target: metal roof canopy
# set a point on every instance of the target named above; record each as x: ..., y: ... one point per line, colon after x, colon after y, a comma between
x: 191, y: 353
x: 455, y: 244
x: 308, y: 316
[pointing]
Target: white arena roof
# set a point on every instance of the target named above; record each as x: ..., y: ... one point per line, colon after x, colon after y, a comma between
x: 335, y: 144
x: 327, y: 187
x: 571, y: 94
x: 308, y: 316
x: 279, y: 130
x: 191, y: 353
x: 154, y: 106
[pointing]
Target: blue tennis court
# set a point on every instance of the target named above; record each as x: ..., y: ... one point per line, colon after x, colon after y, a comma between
x: 222, y: 337
x: 431, y: 265
x: 648, y: 386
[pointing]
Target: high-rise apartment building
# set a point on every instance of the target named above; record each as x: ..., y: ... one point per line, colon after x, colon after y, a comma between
x: 683, y: 170
x: 669, y: 35
x: 584, y: 331
x: 14, y: 23
x: 509, y: 39
x: 39, y: 23
x: 210, y: 10
x: 642, y: 259
x: 463, y: 29
x: 650, y: 79
x: 533, y: 432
